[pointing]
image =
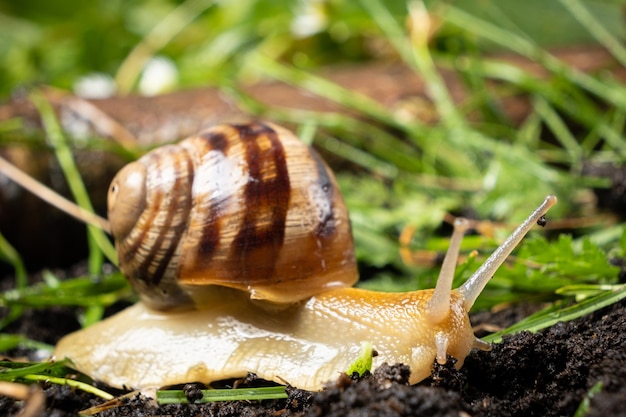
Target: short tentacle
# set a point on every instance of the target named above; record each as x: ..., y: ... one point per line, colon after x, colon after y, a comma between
x: 481, y: 345
x: 441, y: 342
x: 439, y: 305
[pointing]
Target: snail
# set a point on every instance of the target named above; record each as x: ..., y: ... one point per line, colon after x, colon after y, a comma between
x: 239, y: 243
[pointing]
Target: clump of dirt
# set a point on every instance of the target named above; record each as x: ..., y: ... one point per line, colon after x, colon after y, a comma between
x: 550, y: 372
x: 547, y: 373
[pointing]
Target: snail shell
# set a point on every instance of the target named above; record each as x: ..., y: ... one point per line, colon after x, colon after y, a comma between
x: 244, y: 206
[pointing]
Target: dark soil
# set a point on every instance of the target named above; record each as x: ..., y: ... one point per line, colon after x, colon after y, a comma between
x: 544, y: 374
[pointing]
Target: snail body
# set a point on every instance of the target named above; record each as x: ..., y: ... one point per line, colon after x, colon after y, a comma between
x: 305, y: 345
x: 270, y: 293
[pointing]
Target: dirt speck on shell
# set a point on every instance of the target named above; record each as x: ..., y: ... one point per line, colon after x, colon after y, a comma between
x: 547, y: 373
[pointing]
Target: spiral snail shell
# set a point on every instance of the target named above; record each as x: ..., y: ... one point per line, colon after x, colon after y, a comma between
x: 244, y: 206
x: 241, y: 213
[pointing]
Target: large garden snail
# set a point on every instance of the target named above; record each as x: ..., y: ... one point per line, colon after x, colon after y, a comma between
x: 240, y: 246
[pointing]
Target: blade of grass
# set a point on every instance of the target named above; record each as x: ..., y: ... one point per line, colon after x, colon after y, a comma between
x: 581, y: 108
x: 12, y: 371
x: 71, y: 383
x: 596, y: 29
x: 93, y: 314
x: 52, y: 372
x: 51, y: 197
x: 359, y: 157
x: 307, y: 131
x: 583, y: 408
x: 12, y: 341
x: 11, y: 125
x: 82, y: 291
x: 582, y: 291
x: 611, y: 92
x: 156, y: 39
x: 560, y: 130
x: 323, y: 88
x: 10, y: 255
x: 237, y: 394
x: 99, y: 244
x: 415, y: 53
x: 557, y: 313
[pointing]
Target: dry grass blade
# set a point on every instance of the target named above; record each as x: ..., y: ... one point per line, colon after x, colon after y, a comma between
x: 33, y: 397
x: 113, y: 403
x: 51, y: 197
x: 104, y: 124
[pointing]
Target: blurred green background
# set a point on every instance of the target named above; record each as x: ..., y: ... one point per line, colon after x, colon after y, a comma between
x: 58, y: 43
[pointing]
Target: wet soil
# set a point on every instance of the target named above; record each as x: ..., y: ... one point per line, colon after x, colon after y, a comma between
x: 548, y: 373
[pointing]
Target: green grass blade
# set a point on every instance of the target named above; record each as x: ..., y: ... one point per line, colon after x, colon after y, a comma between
x: 81, y: 291
x: 596, y: 29
x: 323, y: 88
x: 611, y: 92
x: 13, y: 371
x: 50, y: 372
x: 560, y: 130
x: 10, y: 255
x: 156, y: 39
x: 12, y: 341
x: 99, y: 244
x: 564, y: 98
x: 557, y: 313
x: 93, y: 314
x: 237, y: 394
x: 69, y: 382
x: 417, y: 53
x: 583, y: 408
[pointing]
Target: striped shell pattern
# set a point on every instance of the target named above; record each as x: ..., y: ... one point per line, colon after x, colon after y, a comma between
x: 245, y: 206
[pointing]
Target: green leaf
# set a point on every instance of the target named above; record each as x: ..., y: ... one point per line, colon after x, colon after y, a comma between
x: 363, y: 363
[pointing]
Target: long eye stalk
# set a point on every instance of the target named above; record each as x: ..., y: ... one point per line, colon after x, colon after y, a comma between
x: 472, y: 288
